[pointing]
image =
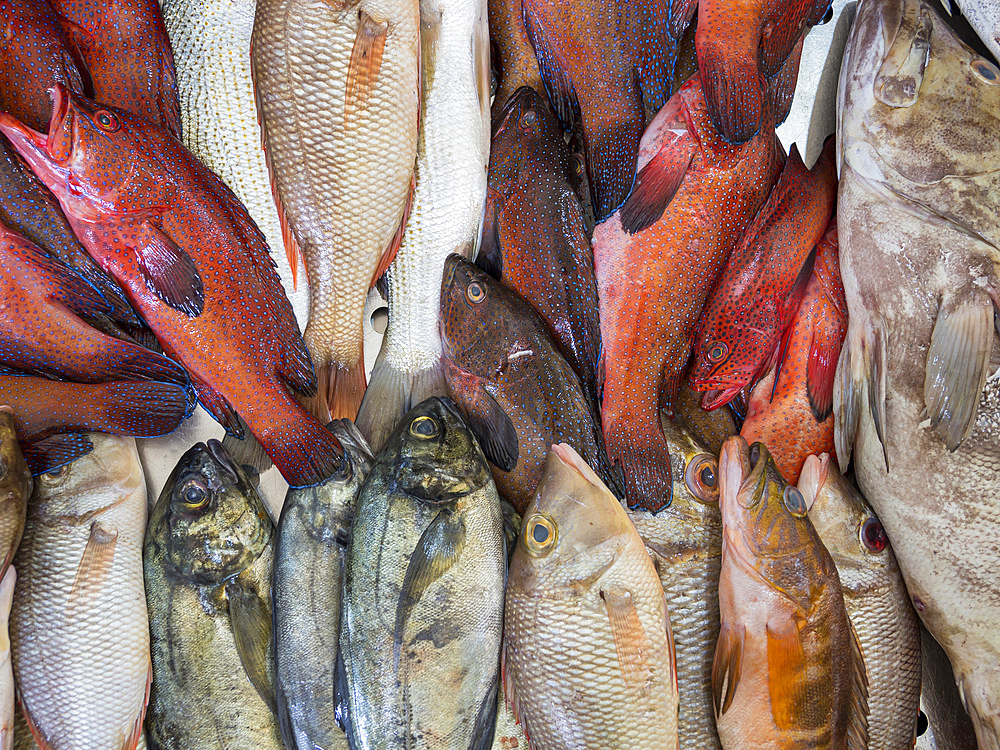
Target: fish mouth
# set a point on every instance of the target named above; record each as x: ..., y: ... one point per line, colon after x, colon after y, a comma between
x: 713, y: 398
x: 42, y: 151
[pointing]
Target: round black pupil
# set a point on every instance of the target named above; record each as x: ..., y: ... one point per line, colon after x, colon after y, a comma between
x: 425, y: 427
x: 539, y: 533
x: 475, y: 291
x: 708, y: 476
x: 105, y: 119
x: 194, y: 495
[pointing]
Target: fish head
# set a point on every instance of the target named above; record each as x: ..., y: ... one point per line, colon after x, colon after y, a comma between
x: 15, y: 476
x: 695, y: 473
x: 573, y: 529
x: 87, y: 155
x: 209, y: 520
x: 724, y: 361
x: 92, y: 483
x: 435, y: 457
x: 528, y: 131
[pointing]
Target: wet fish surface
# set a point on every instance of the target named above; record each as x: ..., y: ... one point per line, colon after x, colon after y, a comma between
x: 7, y: 705
x: 15, y: 489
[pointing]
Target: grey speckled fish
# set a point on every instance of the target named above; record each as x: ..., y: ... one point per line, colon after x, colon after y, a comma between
x: 916, y: 399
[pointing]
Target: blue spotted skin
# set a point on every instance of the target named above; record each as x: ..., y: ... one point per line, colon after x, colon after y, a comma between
x: 500, y: 351
x: 41, y: 333
x: 648, y: 33
x: 194, y: 265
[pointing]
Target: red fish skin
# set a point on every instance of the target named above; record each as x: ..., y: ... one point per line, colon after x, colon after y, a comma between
x: 653, y: 283
x: 761, y: 287
x: 797, y: 421
x: 193, y: 264
x: 589, y: 73
x: 128, y: 56
x: 41, y: 333
x: 738, y: 42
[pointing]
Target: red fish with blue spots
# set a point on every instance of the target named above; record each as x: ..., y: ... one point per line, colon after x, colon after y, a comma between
x: 193, y: 264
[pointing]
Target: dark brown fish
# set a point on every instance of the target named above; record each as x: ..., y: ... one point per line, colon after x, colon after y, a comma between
x: 517, y: 392
x: 512, y: 56
x: 534, y: 236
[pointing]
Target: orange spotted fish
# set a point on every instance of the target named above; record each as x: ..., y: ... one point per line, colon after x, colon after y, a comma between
x: 793, y: 419
x: 656, y: 261
x: 764, y: 281
x: 194, y: 265
x: 126, y: 55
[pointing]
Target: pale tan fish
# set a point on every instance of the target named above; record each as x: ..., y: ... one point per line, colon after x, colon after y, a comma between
x: 78, y: 626
x: 876, y: 600
x: 588, y: 653
x: 446, y: 216
x: 337, y: 86
x: 15, y: 488
x: 916, y: 388
x: 6, y: 671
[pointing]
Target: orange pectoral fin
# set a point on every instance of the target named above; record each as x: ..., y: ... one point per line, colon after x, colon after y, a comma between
x: 786, y: 675
x: 93, y: 567
x: 364, y: 67
x: 727, y: 666
x: 630, y: 639
x: 168, y: 271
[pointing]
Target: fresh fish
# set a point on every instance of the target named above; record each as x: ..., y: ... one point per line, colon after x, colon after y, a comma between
x: 710, y: 429
x: 453, y: 153
x: 876, y: 600
x: 590, y: 75
x: 15, y: 489
x: 742, y: 43
x: 7, y: 706
x: 788, y: 670
x: 508, y: 734
x: 211, y: 44
x: 517, y: 64
x: 916, y: 386
x: 685, y: 542
x: 793, y: 418
x: 126, y: 55
x: 41, y: 333
x: 534, y: 236
x: 194, y: 265
x: 651, y: 31
x: 515, y: 389
x: 43, y: 408
x: 588, y: 656
x: 656, y: 262
x: 760, y: 290
x: 424, y: 591
x: 207, y: 563
x: 338, y: 89
x: 313, y: 532
x: 78, y: 627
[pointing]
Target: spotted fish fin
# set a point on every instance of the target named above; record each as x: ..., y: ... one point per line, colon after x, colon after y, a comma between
x: 657, y: 183
x: 824, y: 351
x: 168, y: 271
x: 679, y: 14
x: 786, y: 672
x: 781, y: 86
x: 93, y: 568
x: 631, y: 643
x: 559, y: 87
x: 488, y: 421
x: 250, y: 619
x: 857, y: 722
x: 217, y: 405
x: 364, y: 66
x: 727, y: 666
x: 860, y: 382
x: 727, y: 45
x: 52, y: 452
x: 957, y: 364
x: 490, y: 256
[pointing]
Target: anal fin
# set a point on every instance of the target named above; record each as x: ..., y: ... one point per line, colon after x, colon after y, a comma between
x: 217, y: 405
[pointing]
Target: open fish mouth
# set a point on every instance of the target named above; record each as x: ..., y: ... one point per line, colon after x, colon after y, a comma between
x: 45, y: 153
x: 716, y: 397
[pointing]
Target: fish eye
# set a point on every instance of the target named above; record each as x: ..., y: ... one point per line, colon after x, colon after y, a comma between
x: 107, y: 121
x: 423, y: 427
x: 986, y: 71
x: 528, y: 119
x: 55, y: 476
x: 717, y: 352
x: 539, y: 535
x: 194, y: 494
x: 702, y: 478
x: 794, y: 502
x: 873, y: 535
x: 475, y: 293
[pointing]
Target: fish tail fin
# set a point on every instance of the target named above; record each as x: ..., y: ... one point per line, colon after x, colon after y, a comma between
x: 860, y: 381
x: 727, y: 63
x: 247, y: 451
x: 644, y: 459
x: 143, y: 408
x: 305, y: 452
x: 391, y: 393
x: 344, y: 387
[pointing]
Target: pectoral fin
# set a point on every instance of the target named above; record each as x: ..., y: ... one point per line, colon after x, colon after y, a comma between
x: 630, y: 639
x: 898, y: 81
x: 657, y: 183
x: 250, y: 619
x: 168, y: 271
x: 786, y: 673
x: 487, y: 419
x: 363, y: 69
x: 97, y: 558
x: 860, y: 378
x: 727, y: 666
x: 559, y: 87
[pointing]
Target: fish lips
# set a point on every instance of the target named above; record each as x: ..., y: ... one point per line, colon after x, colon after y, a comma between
x: 47, y: 153
x: 429, y: 483
x: 713, y: 398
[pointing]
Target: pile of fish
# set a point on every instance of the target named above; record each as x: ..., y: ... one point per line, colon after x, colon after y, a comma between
x: 653, y: 397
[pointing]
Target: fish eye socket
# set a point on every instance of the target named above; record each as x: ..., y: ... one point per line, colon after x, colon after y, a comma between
x: 56, y: 475
x: 717, y: 352
x: 107, y: 121
x: 475, y: 293
x: 539, y: 535
x: 423, y: 427
x: 702, y: 478
x: 987, y: 71
x: 194, y: 494
x: 794, y: 502
x: 873, y: 536
x: 528, y: 119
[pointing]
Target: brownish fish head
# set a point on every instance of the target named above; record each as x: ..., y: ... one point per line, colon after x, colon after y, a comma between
x: 527, y: 132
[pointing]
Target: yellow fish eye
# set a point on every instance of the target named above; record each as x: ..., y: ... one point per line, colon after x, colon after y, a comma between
x: 793, y: 501
x: 539, y: 534
x: 475, y: 293
x: 717, y: 352
x: 423, y: 427
x: 194, y: 495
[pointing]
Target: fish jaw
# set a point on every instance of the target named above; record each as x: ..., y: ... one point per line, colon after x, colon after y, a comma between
x: 713, y: 398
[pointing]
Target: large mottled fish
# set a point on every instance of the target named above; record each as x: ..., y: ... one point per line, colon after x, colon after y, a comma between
x: 453, y: 152
x: 7, y: 705
x: 15, y: 488
x: 78, y: 628
x: 516, y: 390
x: 685, y: 542
x: 916, y: 388
x: 588, y: 654
x: 207, y: 563
x: 338, y: 89
x: 793, y: 417
x: 41, y: 333
x: 656, y: 261
x: 534, y: 236
x: 313, y: 533
x: 194, y: 265
x: 424, y: 592
x: 126, y: 56
x: 788, y: 670
x: 742, y: 43
x: 589, y: 74
x: 516, y: 60
x: 764, y: 281
x: 984, y: 17
x: 652, y: 31
x: 876, y: 599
